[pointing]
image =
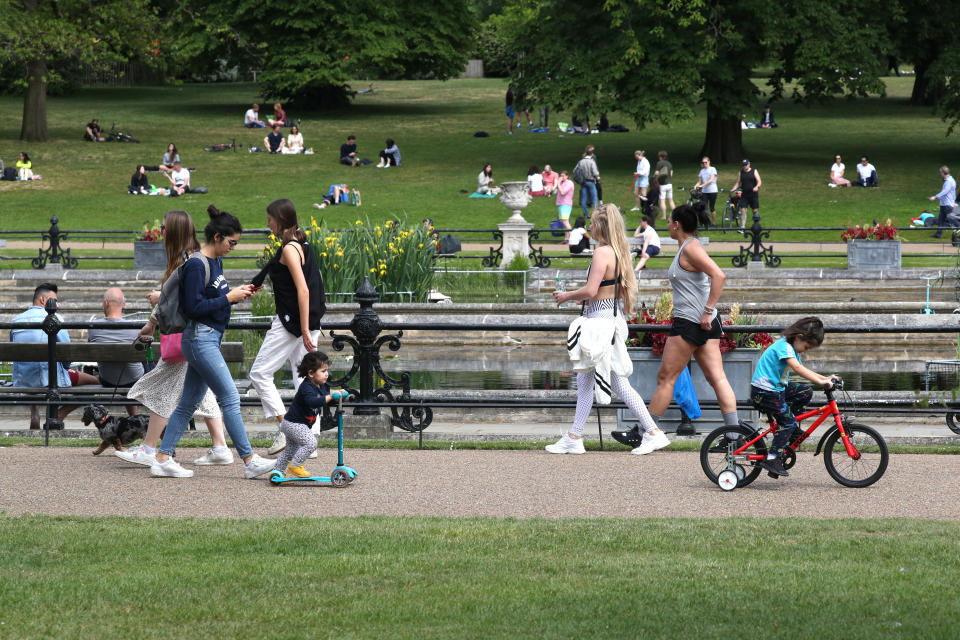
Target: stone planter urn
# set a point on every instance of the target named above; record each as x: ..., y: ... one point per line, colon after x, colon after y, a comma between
x: 873, y: 255
x: 738, y: 365
x: 149, y: 256
x: 515, y: 196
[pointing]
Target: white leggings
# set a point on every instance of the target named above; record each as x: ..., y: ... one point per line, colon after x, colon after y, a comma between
x: 620, y: 385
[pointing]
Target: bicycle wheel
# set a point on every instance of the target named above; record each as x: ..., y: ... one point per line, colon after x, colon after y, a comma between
x: 864, y: 470
x: 729, y: 215
x: 713, y: 454
x: 953, y: 422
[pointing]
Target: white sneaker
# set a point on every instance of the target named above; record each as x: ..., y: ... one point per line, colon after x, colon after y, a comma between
x: 170, y: 469
x: 566, y: 444
x: 831, y: 185
x: 279, y: 444
x: 634, y: 208
x: 651, y: 443
x: 257, y: 466
x: 215, y: 457
x: 313, y: 454
x: 137, y: 455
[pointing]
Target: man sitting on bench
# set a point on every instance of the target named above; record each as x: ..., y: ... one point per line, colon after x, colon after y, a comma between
x: 116, y: 374
x: 34, y: 374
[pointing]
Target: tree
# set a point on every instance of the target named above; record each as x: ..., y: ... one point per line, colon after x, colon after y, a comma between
x: 308, y: 55
x: 656, y: 59
x: 92, y: 33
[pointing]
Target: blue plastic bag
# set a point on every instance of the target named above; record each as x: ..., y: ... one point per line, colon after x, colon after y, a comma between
x: 685, y: 395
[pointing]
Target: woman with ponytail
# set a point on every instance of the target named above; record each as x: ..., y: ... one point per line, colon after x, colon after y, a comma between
x: 205, y: 300
x: 697, y: 283
x: 298, y: 296
x: 610, y: 289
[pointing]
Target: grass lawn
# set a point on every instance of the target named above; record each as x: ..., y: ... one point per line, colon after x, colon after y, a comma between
x: 433, y: 123
x: 380, y: 577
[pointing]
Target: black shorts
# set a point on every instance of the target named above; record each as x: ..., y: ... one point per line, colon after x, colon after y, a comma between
x: 751, y: 199
x: 694, y: 334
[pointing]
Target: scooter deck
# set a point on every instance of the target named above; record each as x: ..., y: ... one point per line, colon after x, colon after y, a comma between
x: 279, y: 478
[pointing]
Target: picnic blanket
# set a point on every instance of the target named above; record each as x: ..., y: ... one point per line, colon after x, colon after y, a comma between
x: 483, y: 195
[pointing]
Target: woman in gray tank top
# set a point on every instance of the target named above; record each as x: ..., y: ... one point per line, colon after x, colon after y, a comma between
x: 697, y: 283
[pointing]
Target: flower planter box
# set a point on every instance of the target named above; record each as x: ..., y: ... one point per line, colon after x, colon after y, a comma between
x: 149, y: 256
x: 738, y: 365
x: 873, y: 255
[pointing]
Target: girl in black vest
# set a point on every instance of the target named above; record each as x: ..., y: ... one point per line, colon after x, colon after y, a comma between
x: 297, y: 293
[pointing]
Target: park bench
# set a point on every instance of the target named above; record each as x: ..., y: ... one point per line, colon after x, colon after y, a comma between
x: 82, y: 352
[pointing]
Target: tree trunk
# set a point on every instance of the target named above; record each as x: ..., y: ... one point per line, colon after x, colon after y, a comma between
x: 927, y: 91
x: 34, y: 124
x: 723, y: 142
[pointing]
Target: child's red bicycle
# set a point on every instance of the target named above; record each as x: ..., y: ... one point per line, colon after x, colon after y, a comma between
x: 854, y: 454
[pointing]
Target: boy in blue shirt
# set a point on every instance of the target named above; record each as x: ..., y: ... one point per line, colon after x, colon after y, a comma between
x: 312, y: 395
x: 771, y: 392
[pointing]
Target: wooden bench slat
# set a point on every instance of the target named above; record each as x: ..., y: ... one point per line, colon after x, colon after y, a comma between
x: 96, y: 352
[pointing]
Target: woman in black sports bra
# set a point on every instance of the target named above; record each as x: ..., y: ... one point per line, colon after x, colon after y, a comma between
x: 610, y: 290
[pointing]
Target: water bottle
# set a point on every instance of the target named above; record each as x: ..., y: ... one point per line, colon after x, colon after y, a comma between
x: 560, y: 286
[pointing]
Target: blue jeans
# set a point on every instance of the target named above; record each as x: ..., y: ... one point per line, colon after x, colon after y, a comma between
x: 588, y: 193
x: 782, y: 406
x: 201, y: 349
x: 868, y: 182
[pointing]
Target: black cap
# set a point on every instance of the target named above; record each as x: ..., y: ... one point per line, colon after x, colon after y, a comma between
x: 745, y: 162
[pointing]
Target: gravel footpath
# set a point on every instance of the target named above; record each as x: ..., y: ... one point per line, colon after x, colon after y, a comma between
x: 521, y: 484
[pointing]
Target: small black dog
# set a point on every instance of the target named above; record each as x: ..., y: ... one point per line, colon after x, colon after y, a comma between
x: 114, y: 431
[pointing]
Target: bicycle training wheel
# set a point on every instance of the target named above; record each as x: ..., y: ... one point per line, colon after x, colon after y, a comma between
x: 729, y: 215
x: 867, y: 468
x: 713, y: 454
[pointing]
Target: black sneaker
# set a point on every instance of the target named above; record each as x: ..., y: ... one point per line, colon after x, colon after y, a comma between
x: 630, y: 437
x: 774, y: 466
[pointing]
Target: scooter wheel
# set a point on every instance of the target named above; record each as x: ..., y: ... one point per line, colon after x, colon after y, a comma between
x: 339, y: 478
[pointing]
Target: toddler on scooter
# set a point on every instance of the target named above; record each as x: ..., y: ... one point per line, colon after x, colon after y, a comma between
x: 772, y: 394
x: 312, y: 395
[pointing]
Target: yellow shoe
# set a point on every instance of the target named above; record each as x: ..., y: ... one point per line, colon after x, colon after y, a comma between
x: 297, y: 472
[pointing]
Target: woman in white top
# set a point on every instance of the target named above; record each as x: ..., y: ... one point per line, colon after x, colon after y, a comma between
x: 535, y: 180
x: 836, y: 173
x: 485, y: 184
x: 294, y: 141
x: 641, y: 180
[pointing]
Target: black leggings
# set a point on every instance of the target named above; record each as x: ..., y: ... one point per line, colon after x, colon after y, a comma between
x: 388, y: 158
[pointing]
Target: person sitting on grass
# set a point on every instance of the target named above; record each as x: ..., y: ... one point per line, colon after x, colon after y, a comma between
x: 485, y: 183
x: 550, y: 178
x: 279, y: 116
x: 836, y: 173
x: 294, y: 141
x: 579, y: 239
x: 770, y: 391
x: 312, y: 396
x: 25, y: 168
x: 180, y: 179
x: 867, y: 174
x: 170, y: 156
x: 389, y: 157
x: 251, y: 119
x: 348, y: 152
x: 651, y: 241
x: 139, y: 184
x: 93, y: 132
x: 338, y: 193
x: 535, y: 180
x: 274, y: 141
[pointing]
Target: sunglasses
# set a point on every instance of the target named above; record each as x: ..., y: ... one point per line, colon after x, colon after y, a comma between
x: 233, y: 243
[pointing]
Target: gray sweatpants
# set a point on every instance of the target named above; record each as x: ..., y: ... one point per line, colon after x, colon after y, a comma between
x: 300, y: 444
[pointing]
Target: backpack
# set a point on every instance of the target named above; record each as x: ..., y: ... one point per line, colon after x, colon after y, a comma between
x: 170, y: 317
x: 579, y: 172
x: 9, y: 173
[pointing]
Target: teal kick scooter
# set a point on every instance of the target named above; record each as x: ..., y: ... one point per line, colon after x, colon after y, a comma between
x: 342, y: 475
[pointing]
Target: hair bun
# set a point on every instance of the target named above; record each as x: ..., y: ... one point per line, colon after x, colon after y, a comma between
x: 214, y: 212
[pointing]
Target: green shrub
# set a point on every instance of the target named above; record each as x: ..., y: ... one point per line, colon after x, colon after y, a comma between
x: 518, y: 263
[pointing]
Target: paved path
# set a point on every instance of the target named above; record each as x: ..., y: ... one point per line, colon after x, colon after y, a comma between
x: 521, y: 484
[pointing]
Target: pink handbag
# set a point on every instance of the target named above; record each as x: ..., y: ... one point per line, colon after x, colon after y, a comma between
x: 170, y: 347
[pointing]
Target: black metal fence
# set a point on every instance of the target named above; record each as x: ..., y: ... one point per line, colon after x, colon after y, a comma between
x: 756, y: 249
x: 367, y: 337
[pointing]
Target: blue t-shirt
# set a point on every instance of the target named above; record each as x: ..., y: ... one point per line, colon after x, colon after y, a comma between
x: 205, y: 304
x: 772, y: 370
x: 34, y: 374
x: 308, y: 402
